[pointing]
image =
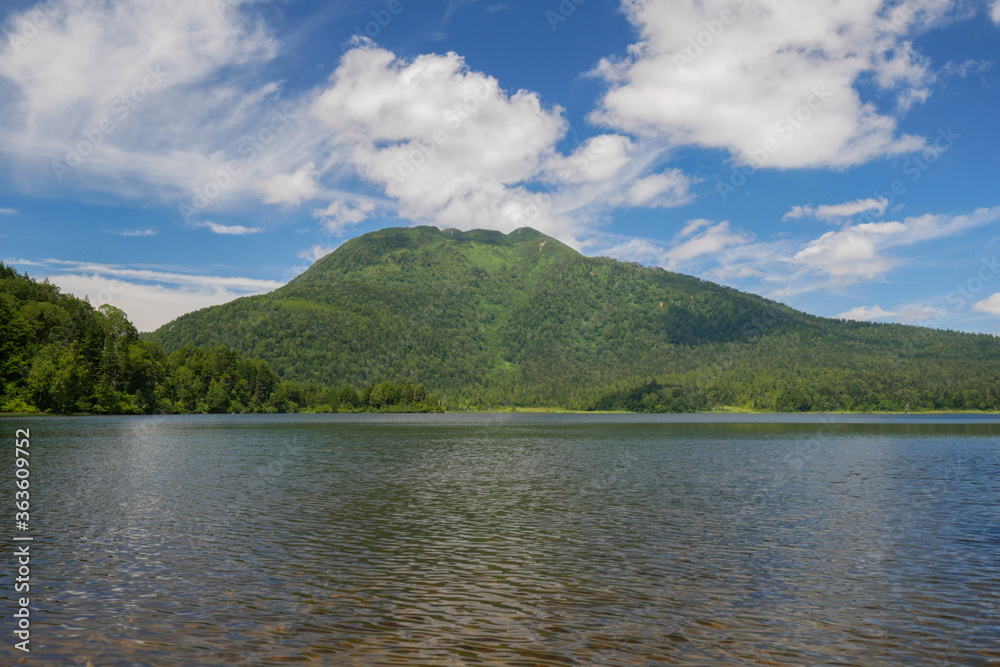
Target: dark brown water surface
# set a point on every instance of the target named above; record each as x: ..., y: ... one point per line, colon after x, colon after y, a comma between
x: 509, y: 540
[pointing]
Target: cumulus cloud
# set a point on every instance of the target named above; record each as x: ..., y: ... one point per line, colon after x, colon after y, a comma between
x: 455, y: 149
x: 290, y: 188
x: 770, y: 81
x: 446, y: 142
x: 838, y: 212
x: 143, y: 99
x: 595, y: 160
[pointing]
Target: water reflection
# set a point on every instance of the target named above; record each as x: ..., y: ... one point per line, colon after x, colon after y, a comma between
x: 511, y: 540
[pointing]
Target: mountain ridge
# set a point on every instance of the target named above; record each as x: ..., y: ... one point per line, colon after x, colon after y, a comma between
x: 493, y: 319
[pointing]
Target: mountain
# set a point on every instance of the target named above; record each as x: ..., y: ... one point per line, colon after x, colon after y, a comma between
x: 58, y: 354
x: 487, y: 319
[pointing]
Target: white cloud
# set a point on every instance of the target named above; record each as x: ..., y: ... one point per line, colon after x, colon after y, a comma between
x: 699, y: 238
x: 995, y: 14
x: 710, y: 240
x: 135, y: 232
x: 865, y: 314
x: 340, y: 215
x: 595, y: 160
x: 636, y: 250
x: 965, y: 68
x: 847, y: 256
x: 149, y: 298
x: 838, y: 211
x: 915, y: 313
x: 905, y: 314
x: 693, y: 226
x: 144, y: 98
x: 668, y: 189
x: 7, y: 211
x: 989, y: 305
x: 232, y: 230
x: 456, y: 150
x: 316, y: 252
x: 448, y: 143
x: 857, y: 252
x: 290, y: 188
x: 770, y: 81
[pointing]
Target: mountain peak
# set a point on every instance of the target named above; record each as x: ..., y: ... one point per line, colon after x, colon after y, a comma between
x: 426, y: 246
x: 521, y: 318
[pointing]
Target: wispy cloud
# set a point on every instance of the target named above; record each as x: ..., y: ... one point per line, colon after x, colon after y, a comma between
x: 316, y: 252
x: 143, y: 99
x: 135, y: 232
x: 838, y: 212
x: 7, y: 211
x: 989, y: 305
x: 905, y: 314
x: 858, y: 252
x: 233, y: 230
x: 339, y: 215
x: 151, y: 298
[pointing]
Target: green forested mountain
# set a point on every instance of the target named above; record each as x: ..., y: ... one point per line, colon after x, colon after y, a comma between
x: 59, y: 354
x: 492, y: 320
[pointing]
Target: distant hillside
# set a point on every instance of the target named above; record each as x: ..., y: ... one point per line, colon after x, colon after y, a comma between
x: 491, y: 320
x: 59, y: 354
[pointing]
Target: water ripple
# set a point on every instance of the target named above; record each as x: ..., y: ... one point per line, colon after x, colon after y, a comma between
x: 502, y: 540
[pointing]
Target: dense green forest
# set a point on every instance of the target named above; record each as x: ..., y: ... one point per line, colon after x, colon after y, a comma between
x: 58, y: 354
x: 494, y: 321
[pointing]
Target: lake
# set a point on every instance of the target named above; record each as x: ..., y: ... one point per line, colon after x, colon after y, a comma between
x: 509, y: 539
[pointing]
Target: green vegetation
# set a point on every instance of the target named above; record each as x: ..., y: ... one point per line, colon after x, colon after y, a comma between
x: 494, y: 321
x: 60, y: 355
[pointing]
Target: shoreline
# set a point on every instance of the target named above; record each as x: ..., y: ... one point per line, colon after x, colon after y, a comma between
x: 532, y: 410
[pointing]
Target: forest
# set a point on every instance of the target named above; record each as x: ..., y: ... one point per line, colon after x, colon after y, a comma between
x: 60, y: 355
x: 491, y: 322
x: 495, y: 321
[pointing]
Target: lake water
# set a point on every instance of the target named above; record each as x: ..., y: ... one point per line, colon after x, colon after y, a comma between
x: 509, y: 540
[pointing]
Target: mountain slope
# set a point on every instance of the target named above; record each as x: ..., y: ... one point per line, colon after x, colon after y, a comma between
x: 493, y: 319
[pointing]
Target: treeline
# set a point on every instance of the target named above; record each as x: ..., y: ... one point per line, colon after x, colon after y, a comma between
x: 855, y: 395
x: 58, y: 354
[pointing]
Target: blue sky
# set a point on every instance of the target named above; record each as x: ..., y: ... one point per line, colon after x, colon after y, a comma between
x: 842, y: 158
